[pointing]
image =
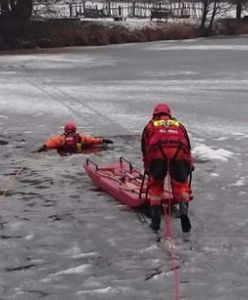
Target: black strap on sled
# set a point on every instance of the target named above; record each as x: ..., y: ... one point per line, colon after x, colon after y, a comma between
x: 142, y: 185
x: 190, y: 178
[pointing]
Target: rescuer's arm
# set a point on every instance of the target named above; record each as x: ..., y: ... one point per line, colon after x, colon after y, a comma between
x: 52, y: 143
x: 107, y: 141
x: 91, y: 140
x: 144, y: 137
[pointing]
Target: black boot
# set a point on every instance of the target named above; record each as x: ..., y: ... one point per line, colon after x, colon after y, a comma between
x: 185, y: 221
x: 156, y: 217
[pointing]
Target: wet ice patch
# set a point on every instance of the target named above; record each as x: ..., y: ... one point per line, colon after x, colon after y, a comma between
x: 26, y: 98
x: 206, y: 152
x: 3, y: 142
x: 56, y: 61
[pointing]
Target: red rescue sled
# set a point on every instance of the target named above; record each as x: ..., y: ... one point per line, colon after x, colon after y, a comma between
x: 124, y: 182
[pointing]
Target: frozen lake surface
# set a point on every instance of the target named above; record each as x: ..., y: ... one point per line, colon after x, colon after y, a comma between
x: 61, y: 238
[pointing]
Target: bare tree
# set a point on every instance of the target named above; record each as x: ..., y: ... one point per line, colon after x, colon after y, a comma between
x: 51, y: 8
x: 4, y: 6
x: 240, y: 7
x: 212, y: 9
x: 16, y: 9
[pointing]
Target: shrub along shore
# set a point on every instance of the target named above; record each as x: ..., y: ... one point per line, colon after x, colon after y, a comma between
x: 65, y: 33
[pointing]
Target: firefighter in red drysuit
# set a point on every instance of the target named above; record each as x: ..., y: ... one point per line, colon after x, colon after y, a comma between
x: 166, y: 148
x: 72, y: 142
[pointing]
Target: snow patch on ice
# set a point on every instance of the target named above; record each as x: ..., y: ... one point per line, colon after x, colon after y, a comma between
x: 222, y: 138
x: 148, y: 249
x: 74, y: 250
x: 77, y: 270
x: 206, y: 152
x: 96, y: 291
x: 166, y: 47
x: 105, y: 290
x: 239, y: 182
x: 199, y: 139
x: 214, y: 175
x: 240, y: 135
x: 29, y: 237
x: 85, y: 255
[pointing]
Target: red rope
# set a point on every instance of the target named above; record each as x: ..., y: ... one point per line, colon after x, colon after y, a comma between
x: 168, y: 235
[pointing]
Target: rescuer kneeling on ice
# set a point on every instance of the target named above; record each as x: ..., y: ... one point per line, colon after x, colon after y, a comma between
x: 166, y: 149
x: 72, y: 142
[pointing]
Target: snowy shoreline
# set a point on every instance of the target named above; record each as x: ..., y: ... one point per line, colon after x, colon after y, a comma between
x: 57, y: 33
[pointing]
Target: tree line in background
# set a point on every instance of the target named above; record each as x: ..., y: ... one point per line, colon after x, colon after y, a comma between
x: 16, y: 9
x: 21, y: 10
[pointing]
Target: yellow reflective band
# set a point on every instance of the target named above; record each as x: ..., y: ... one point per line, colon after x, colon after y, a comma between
x: 159, y: 123
x: 173, y: 123
x: 166, y: 123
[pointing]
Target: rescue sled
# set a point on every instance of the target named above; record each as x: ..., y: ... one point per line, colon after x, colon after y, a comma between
x: 124, y: 182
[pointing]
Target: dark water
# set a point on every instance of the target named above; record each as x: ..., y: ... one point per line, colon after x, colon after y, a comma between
x: 62, y: 238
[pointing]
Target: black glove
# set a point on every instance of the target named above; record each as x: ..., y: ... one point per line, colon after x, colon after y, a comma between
x: 42, y: 148
x: 106, y: 141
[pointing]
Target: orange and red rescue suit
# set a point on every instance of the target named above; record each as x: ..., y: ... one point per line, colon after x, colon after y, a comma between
x: 166, y: 148
x: 72, y: 143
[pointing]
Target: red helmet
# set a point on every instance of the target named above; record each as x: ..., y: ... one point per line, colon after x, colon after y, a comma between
x: 161, y: 109
x: 70, y: 127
